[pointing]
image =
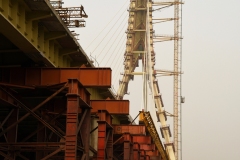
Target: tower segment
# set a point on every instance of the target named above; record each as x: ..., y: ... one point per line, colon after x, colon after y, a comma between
x: 139, y: 46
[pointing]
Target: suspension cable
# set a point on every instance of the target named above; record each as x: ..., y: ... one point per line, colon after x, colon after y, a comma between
x: 114, y: 40
x: 106, y: 27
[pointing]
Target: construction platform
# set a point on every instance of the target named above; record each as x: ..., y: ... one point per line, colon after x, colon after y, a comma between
x: 54, y: 103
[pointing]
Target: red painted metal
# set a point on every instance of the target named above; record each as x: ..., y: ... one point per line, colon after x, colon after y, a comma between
x: 152, y: 153
x: 142, y: 139
x: 147, y: 157
x: 136, y: 151
x: 71, y: 127
x: 148, y: 147
x: 73, y: 106
x: 128, y: 147
x: 105, y: 136
x: 132, y: 129
x: 118, y: 107
x: 89, y: 77
x: 84, y: 132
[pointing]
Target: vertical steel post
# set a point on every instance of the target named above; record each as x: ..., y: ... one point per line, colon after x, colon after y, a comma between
x: 128, y: 147
x: 85, y: 130
x: 72, y: 121
x: 136, y: 151
x: 105, y: 136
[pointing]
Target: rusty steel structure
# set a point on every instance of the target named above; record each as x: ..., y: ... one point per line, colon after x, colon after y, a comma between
x: 70, y: 15
x: 55, y: 104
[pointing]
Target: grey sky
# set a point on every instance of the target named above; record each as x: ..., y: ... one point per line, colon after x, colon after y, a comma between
x: 211, y: 80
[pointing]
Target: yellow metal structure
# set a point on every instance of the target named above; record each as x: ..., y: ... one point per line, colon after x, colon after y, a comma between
x: 70, y: 15
x: 139, y: 46
x: 147, y: 119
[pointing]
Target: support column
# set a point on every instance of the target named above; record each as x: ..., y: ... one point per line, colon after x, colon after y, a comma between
x: 72, y: 120
x: 128, y: 147
x: 136, y: 151
x: 85, y: 131
x: 105, y: 136
x: 77, y: 132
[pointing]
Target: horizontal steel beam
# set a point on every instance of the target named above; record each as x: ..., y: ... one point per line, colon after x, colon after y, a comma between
x: 153, y: 153
x: 142, y: 139
x: 147, y: 147
x: 89, y: 77
x: 132, y: 129
x: 118, y: 107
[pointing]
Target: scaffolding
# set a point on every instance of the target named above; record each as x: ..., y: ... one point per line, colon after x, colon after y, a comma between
x: 70, y: 15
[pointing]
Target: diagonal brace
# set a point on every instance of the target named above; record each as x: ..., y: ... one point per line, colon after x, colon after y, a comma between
x: 32, y: 111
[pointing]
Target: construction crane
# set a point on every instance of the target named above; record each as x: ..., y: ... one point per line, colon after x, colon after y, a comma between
x: 70, y: 15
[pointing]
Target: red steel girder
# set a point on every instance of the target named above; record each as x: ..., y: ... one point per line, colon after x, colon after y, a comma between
x: 136, y: 151
x: 147, y: 147
x: 132, y: 129
x: 105, y: 136
x: 119, y: 107
x: 31, y: 111
x: 127, y: 147
x: 73, y: 125
x: 142, y: 139
x: 153, y: 153
x: 89, y: 77
x: 77, y: 124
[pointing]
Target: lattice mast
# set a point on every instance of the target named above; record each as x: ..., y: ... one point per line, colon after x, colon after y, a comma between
x: 176, y: 85
x: 139, y: 47
x: 177, y: 78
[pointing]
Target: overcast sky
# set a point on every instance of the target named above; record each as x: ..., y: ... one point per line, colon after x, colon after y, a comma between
x: 211, y: 79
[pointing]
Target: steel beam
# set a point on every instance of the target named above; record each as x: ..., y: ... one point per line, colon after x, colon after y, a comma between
x: 142, y: 139
x: 31, y: 111
x: 72, y: 122
x: 117, y: 107
x: 105, y: 136
x: 42, y: 126
x: 41, y: 135
x: 84, y: 125
x: 71, y: 127
x: 127, y: 147
x: 132, y: 129
x: 153, y: 153
x: 89, y: 77
x: 148, y: 147
x: 136, y: 151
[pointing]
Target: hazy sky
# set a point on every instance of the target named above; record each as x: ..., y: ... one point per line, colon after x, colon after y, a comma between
x: 211, y: 80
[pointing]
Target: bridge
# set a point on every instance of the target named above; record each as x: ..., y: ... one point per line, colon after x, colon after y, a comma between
x: 55, y: 104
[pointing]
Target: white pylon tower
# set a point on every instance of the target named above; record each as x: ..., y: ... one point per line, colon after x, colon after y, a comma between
x: 139, y: 47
